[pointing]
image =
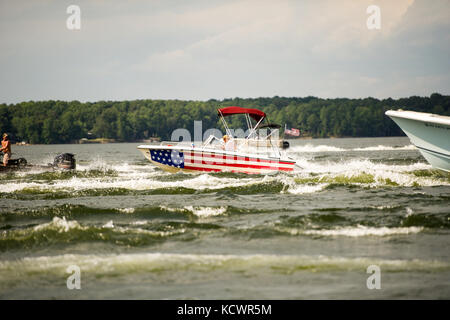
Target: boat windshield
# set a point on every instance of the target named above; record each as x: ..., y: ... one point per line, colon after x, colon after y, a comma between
x: 258, y: 138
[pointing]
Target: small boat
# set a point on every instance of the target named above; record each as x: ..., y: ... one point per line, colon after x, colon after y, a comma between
x: 63, y: 161
x: 430, y: 133
x: 256, y: 153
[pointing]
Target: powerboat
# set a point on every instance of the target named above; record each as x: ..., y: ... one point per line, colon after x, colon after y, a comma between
x: 63, y: 161
x: 430, y: 133
x: 255, y: 151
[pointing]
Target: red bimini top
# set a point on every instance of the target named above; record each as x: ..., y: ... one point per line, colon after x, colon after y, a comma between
x: 254, y: 113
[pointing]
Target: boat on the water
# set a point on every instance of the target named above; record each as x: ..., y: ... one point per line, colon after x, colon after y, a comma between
x: 63, y: 161
x: 255, y: 153
x: 430, y: 133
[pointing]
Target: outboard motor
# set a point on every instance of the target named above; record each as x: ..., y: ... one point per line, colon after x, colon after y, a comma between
x: 20, y: 163
x: 64, y: 161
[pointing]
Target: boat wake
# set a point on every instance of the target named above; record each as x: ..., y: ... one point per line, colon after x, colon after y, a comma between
x: 129, y: 179
x: 309, y: 148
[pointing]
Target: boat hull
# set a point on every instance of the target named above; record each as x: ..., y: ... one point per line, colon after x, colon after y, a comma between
x: 429, y: 133
x: 174, y: 159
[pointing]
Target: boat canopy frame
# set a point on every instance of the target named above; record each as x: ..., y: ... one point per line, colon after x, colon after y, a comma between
x: 256, y: 114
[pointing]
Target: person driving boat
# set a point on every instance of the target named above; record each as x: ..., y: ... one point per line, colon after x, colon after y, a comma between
x: 228, y: 144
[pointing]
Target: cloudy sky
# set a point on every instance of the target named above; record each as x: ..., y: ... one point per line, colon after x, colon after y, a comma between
x: 168, y: 49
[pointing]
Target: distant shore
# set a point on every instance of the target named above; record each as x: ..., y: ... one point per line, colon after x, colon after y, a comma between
x: 104, y: 140
x: 154, y: 140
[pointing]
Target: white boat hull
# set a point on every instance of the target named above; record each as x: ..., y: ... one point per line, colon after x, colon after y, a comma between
x: 176, y: 158
x: 429, y: 133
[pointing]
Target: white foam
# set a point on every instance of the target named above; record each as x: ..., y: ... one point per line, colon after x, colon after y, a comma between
x: 145, y: 178
x: 358, y: 231
x: 125, y: 169
x: 312, y: 148
x: 198, y: 182
x: 127, y: 210
x: 109, y: 224
x: 306, y: 188
x: 139, y: 222
x: 206, y: 211
x: 200, y: 211
x: 409, y: 211
x: 126, y: 230
x: 399, y: 174
x: 309, y: 148
x: 170, y: 209
x: 384, y: 207
x: 61, y: 224
x: 385, y: 148
x: 145, y: 262
x: 96, y: 164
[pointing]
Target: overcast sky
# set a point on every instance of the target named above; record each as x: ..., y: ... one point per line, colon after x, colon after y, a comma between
x: 199, y: 50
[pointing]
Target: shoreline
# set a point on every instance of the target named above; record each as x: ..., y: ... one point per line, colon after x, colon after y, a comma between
x: 153, y: 141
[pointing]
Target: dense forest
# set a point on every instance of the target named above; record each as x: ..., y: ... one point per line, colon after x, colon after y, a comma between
x: 63, y: 122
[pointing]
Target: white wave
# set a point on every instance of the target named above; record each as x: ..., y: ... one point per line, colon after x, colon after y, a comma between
x: 154, y: 233
x: 206, y: 211
x: 312, y: 148
x: 306, y: 188
x: 63, y: 225
x: 396, y: 174
x: 170, y: 209
x: 309, y: 148
x: 12, y: 270
x: 124, y: 169
x: 385, y: 148
x: 198, y: 182
x: 356, y: 166
x: 60, y: 224
x: 199, y: 211
x: 96, y: 164
x: 127, y: 210
x: 139, y: 222
x: 109, y: 225
x: 409, y: 211
x: 384, y: 207
x: 323, y: 172
x: 358, y: 231
x: 142, y: 179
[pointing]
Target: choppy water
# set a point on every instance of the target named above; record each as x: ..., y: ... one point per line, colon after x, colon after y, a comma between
x: 138, y: 232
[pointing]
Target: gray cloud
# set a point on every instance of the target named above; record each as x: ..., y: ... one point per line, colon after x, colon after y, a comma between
x: 216, y: 49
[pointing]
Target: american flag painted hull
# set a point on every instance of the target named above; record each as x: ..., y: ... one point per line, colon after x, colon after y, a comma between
x: 174, y: 159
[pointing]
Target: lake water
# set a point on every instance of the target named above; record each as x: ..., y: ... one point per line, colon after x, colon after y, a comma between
x: 136, y: 232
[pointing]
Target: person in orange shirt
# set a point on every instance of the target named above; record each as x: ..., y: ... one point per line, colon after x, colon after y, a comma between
x: 6, y: 148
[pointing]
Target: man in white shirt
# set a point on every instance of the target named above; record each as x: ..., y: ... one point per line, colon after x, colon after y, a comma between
x: 228, y: 144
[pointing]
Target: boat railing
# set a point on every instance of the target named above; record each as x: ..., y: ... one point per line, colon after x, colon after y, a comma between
x: 209, y: 142
x: 175, y: 143
x: 257, y: 145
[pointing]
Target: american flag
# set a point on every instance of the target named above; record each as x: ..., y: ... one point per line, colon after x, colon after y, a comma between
x: 168, y: 157
x: 292, y: 132
x: 194, y: 159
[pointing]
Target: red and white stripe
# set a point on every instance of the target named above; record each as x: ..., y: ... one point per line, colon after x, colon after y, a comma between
x: 211, y: 161
x: 216, y: 161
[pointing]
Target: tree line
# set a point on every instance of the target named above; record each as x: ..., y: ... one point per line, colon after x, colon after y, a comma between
x: 68, y: 121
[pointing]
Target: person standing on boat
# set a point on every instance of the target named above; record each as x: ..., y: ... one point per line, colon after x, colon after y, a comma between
x: 6, y: 148
x: 228, y: 144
